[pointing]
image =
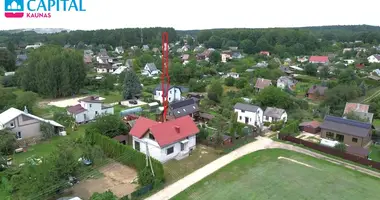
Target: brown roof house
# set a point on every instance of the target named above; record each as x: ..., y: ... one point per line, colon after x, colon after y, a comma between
x: 262, y: 83
x: 347, y: 131
x: 310, y: 127
x: 316, y: 91
x: 359, y: 110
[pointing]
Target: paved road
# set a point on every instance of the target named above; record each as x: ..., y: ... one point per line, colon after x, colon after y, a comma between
x: 261, y: 143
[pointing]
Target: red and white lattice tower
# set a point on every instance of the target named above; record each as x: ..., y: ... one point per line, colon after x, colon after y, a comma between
x: 165, y: 79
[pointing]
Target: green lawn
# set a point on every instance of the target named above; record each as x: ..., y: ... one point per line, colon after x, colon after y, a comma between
x: 112, y: 97
x: 44, y: 148
x: 261, y: 175
x: 375, y: 152
x: 376, y: 122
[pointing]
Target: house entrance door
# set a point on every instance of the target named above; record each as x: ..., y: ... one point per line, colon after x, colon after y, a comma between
x: 246, y: 120
x: 182, y: 146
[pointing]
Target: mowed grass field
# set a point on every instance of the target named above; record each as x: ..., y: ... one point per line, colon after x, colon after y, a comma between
x: 262, y: 175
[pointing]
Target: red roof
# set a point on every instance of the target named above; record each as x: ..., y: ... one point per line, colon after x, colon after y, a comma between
x: 262, y: 83
x: 350, y: 107
x: 313, y: 124
x: 167, y: 132
x: 360, y: 66
x: 76, y: 109
x: 319, y: 59
x: 264, y: 52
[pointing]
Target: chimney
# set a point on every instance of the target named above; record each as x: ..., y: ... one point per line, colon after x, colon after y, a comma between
x: 177, y: 129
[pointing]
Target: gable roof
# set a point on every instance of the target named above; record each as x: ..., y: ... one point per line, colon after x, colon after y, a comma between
x: 355, y: 107
x: 313, y: 124
x: 318, y: 88
x: 165, y: 133
x: 321, y: 59
x: 75, y: 109
x: 183, y: 108
x: 262, y: 83
x: 151, y: 67
x: 274, y: 112
x: 346, y: 126
x: 12, y: 113
x: 246, y: 107
x: 91, y: 99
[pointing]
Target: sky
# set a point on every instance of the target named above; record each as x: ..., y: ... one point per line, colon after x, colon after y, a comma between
x: 204, y: 14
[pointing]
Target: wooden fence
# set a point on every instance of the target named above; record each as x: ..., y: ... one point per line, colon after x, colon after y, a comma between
x: 331, y: 151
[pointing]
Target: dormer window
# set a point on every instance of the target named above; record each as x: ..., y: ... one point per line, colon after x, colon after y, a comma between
x: 242, y: 111
x: 151, y: 136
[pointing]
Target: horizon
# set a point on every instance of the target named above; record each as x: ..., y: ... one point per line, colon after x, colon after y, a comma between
x: 200, y: 15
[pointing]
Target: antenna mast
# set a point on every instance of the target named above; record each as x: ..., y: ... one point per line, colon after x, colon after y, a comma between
x: 165, y: 79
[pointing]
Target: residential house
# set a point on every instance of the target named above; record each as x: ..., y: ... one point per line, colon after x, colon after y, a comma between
x: 145, y: 48
x: 262, y: 83
x: 9, y: 73
x: 88, y: 109
x: 376, y: 72
x: 232, y: 75
x: 174, y: 93
x: 174, y: 139
x: 185, y: 57
x: 34, y: 46
x: 319, y: 59
x: 21, y: 58
x: 265, y: 53
x: 88, y: 52
x: 226, y: 56
x: 208, y: 52
x: 316, y: 91
x: 360, y: 66
x: 349, y: 61
x: 120, y: 70
x: 200, y: 56
x: 347, y: 50
x: 302, y: 59
x: 185, y: 48
x: 272, y: 114
x: 233, y: 48
x: 119, y: 50
x: 87, y: 58
x: 150, y: 69
x: 374, y: 58
x: 286, y: 70
x: 296, y: 68
x: 350, y: 132
x: 236, y: 55
x: 187, y: 107
x: 26, y: 126
x: 134, y: 48
x: 286, y: 82
x: 360, y: 110
x: 262, y: 64
x: 105, y: 68
x: 249, y: 114
x: 129, y: 63
x: 198, y: 49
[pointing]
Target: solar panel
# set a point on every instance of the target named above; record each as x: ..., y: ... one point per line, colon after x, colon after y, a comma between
x: 348, y: 122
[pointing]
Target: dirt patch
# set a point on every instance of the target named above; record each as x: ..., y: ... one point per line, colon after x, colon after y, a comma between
x: 65, y: 102
x: 301, y: 163
x: 117, y: 178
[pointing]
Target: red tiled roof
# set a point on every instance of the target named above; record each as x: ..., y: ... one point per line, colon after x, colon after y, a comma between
x: 313, y: 124
x: 262, y: 83
x: 264, y: 52
x: 168, y: 132
x: 356, y: 107
x: 360, y: 66
x: 76, y: 109
x: 321, y: 59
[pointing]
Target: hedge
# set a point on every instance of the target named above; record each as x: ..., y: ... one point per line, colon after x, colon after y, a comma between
x: 125, y: 154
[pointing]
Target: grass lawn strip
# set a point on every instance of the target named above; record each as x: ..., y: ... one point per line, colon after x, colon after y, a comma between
x: 261, y: 175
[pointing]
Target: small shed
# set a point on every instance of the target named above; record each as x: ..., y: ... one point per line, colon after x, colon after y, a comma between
x: 153, y: 106
x: 121, y: 138
x: 131, y: 111
x: 310, y: 127
x: 226, y: 139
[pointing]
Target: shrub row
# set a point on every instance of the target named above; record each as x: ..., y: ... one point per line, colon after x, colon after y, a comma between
x: 124, y: 154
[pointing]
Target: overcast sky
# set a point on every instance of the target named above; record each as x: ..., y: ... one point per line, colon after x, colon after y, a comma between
x: 205, y: 14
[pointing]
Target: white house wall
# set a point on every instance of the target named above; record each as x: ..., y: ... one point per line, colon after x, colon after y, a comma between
x: 253, y: 117
x: 173, y: 94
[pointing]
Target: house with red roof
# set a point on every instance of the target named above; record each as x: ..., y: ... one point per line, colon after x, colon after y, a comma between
x: 319, y: 59
x: 262, y: 83
x: 88, y: 109
x: 164, y: 141
x: 265, y: 53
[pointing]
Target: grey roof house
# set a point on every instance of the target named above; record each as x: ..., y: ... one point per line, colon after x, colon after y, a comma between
x: 249, y: 114
x: 150, y: 69
x: 183, y: 108
x: 272, y: 114
x: 347, y: 131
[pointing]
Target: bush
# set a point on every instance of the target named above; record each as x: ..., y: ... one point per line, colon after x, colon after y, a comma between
x: 145, y: 176
x: 291, y: 128
x: 124, y: 154
x: 341, y: 147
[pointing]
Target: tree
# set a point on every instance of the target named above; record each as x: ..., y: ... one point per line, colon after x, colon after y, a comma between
x: 341, y: 147
x: 263, y: 45
x: 274, y: 97
x: 132, y: 85
x: 352, y: 115
x: 248, y: 46
x: 108, y: 82
x: 7, y: 60
x: 7, y: 142
x: 109, y: 125
x: 26, y: 99
x: 197, y: 85
x: 229, y: 81
x: 64, y: 119
x: 241, y: 83
x: 145, y: 176
x: 215, y: 91
x: 215, y: 57
x: 47, y: 130
x: 311, y: 69
x: 54, y: 72
x: 108, y: 195
x: 11, y: 47
x: 7, y: 98
x: 324, y: 72
x: 214, y: 42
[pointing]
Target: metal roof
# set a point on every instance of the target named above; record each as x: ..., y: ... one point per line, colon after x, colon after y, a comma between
x: 246, y: 107
x: 346, y: 126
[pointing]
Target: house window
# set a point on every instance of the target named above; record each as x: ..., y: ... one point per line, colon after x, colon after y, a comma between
x: 151, y: 136
x: 169, y: 150
x: 12, y: 125
x: 243, y: 111
x: 339, y: 137
x: 250, y: 119
x: 170, y: 98
x: 239, y: 117
x: 170, y: 91
x: 137, y: 146
x: 355, y: 140
x: 18, y: 135
x: 96, y: 112
x: 330, y: 135
x: 90, y: 105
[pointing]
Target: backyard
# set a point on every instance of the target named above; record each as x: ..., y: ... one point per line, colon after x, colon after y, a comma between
x: 282, y: 174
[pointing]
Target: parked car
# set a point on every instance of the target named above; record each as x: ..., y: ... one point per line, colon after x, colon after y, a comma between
x: 134, y: 102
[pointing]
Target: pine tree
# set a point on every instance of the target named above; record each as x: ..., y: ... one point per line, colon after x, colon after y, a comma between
x: 132, y: 85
